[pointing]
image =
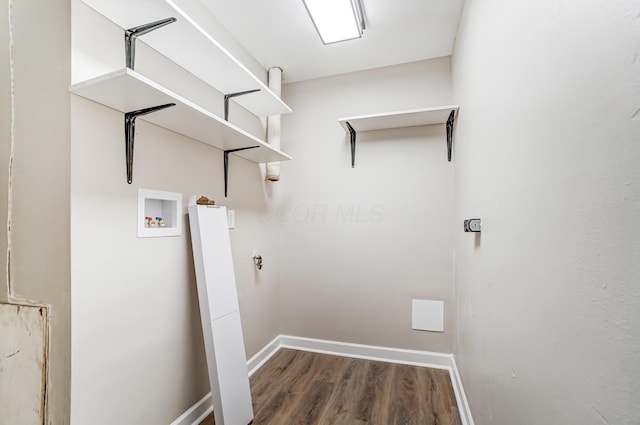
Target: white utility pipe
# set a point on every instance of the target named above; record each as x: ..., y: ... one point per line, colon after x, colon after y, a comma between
x: 273, y: 124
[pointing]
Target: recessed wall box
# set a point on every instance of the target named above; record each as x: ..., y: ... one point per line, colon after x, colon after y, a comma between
x: 159, y: 213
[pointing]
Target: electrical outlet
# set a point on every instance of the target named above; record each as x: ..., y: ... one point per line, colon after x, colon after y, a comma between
x: 231, y: 219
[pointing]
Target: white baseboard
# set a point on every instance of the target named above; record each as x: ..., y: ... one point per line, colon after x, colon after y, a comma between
x: 202, y: 408
x: 368, y: 352
x: 461, y: 396
x: 256, y: 362
x: 196, y: 413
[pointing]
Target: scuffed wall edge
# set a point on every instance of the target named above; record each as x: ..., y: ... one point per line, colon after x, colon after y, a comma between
x: 204, y: 407
x: 12, y: 130
x: 13, y: 299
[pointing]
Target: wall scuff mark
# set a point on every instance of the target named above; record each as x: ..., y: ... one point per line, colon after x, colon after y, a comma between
x: 13, y: 354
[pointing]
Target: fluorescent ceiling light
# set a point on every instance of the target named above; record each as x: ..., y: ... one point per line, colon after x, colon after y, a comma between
x: 336, y: 20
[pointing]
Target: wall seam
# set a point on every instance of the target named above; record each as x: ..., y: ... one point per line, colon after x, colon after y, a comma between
x: 11, y: 151
x: 11, y: 297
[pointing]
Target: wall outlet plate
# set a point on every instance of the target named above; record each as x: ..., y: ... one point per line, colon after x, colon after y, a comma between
x: 231, y: 219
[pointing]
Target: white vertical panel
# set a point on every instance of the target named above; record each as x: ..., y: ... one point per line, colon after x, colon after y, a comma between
x: 274, y: 128
x: 220, y: 313
x: 233, y: 377
x: 207, y: 333
x: 213, y: 261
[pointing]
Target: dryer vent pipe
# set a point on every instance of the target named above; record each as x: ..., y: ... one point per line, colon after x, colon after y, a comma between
x: 273, y: 124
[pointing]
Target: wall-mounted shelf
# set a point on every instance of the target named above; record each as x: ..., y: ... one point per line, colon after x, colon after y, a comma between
x: 126, y: 90
x: 398, y: 119
x: 187, y: 43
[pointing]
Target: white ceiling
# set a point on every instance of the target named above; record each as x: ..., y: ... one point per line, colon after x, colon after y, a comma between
x: 280, y: 33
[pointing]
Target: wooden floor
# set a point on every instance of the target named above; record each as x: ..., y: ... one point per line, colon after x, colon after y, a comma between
x: 298, y: 387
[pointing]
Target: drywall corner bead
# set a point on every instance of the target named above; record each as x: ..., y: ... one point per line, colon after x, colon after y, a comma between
x: 12, y: 138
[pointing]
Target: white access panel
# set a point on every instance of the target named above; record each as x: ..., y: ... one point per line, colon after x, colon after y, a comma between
x: 427, y: 315
x: 221, y: 326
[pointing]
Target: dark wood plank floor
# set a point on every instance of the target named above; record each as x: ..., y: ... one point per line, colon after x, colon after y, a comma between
x: 302, y: 388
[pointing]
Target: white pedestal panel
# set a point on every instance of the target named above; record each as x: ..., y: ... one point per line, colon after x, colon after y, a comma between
x: 221, y: 326
x: 232, y: 397
x: 213, y: 261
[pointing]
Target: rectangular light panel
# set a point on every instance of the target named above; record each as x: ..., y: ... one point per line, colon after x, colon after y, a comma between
x: 335, y: 20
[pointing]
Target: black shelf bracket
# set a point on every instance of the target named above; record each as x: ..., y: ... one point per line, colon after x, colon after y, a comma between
x: 352, y: 134
x: 229, y: 96
x: 450, y: 121
x: 226, y: 164
x: 449, y: 125
x: 130, y: 133
x: 131, y: 34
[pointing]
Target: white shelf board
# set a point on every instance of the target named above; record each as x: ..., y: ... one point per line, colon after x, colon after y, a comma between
x: 126, y: 90
x: 187, y: 43
x: 408, y: 118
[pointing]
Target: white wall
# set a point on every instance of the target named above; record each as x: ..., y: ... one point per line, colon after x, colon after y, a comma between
x: 358, y: 244
x: 34, y: 179
x: 547, y: 154
x: 138, y: 354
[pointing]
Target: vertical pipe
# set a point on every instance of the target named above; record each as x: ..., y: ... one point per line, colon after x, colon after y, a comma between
x: 273, y: 124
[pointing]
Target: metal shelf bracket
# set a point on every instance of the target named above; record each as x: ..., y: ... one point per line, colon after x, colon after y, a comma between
x: 352, y: 135
x: 450, y: 121
x: 226, y: 164
x: 130, y: 133
x: 131, y: 34
x: 229, y: 96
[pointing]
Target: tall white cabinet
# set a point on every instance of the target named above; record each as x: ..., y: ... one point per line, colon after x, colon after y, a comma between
x: 220, y: 314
